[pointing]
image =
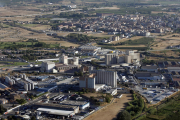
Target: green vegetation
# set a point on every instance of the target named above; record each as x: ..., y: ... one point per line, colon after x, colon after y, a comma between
x: 169, y: 110
x: 124, y: 115
x: 17, y: 45
x: 141, y: 41
x: 73, y: 15
x: 2, y: 109
x: 7, y: 64
x: 35, y: 96
x: 33, y: 118
x: 129, y: 10
x: 78, y: 73
x: 12, y: 117
x: 21, y: 101
x: 136, y: 106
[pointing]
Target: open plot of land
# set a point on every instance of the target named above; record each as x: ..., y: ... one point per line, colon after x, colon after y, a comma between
x: 156, y: 12
x: 11, y: 12
x: 111, y: 111
x: 62, y: 43
x: 162, y: 42
x: 37, y: 26
x: 99, y: 35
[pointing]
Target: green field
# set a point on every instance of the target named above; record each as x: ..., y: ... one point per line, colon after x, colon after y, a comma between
x: 17, y: 45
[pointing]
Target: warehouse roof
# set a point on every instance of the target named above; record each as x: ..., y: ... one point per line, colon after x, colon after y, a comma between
x: 2, y: 86
x: 56, y: 112
x: 149, y: 67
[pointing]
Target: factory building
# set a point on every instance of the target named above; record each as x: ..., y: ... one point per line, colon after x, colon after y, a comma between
x: 87, y: 81
x: 23, y: 81
x: 69, y: 60
x: 58, y: 107
x: 47, y: 66
x: 98, y: 79
x: 106, y: 77
x: 81, y: 104
x: 111, y: 58
x: 89, y: 48
x: 128, y: 57
x: 65, y: 64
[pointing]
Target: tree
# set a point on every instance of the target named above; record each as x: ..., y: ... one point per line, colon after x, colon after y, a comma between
x: 33, y: 118
x: 125, y: 115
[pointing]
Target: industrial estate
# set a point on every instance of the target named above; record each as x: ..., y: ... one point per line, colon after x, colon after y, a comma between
x: 89, y: 60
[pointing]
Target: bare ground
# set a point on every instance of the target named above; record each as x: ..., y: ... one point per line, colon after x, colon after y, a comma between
x: 111, y: 111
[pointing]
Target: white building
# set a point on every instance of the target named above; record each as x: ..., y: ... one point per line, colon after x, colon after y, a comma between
x: 69, y: 60
x: 128, y: 57
x: 47, y: 66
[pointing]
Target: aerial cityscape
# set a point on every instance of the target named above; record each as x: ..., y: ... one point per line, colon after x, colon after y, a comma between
x: 89, y: 60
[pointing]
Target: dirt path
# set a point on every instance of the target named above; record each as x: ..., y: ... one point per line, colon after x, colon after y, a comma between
x: 110, y: 112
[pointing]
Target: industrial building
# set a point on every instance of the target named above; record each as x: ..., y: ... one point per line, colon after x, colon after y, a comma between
x: 47, y: 66
x: 56, y: 112
x: 82, y: 104
x: 57, y: 107
x: 65, y: 64
x: 106, y: 77
x: 149, y: 76
x: 3, y: 87
x: 89, y: 48
x: 128, y: 57
x: 97, y: 79
x: 23, y: 81
x: 69, y: 60
x: 87, y: 81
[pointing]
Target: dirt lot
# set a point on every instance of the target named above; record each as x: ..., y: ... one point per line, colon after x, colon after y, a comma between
x: 162, y: 42
x: 156, y: 12
x: 110, y: 112
x: 13, y: 12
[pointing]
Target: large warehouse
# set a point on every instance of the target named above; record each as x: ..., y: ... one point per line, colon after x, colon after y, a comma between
x: 56, y: 112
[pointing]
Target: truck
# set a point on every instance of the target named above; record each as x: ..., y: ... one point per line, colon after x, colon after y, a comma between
x: 144, y: 88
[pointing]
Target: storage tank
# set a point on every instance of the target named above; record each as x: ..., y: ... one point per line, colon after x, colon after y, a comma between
x: 26, y: 87
x: 24, y: 76
x: 10, y: 82
x: 32, y: 86
x: 21, y: 75
x: 29, y: 86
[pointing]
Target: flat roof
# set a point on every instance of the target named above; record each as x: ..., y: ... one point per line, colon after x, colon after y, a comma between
x: 73, y: 102
x: 99, y: 85
x: 55, y: 105
x: 2, y: 86
x: 56, y: 112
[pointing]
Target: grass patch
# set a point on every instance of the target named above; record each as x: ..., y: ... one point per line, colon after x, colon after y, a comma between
x: 141, y: 41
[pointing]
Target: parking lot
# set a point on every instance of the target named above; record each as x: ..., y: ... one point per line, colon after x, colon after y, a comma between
x: 154, y: 95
